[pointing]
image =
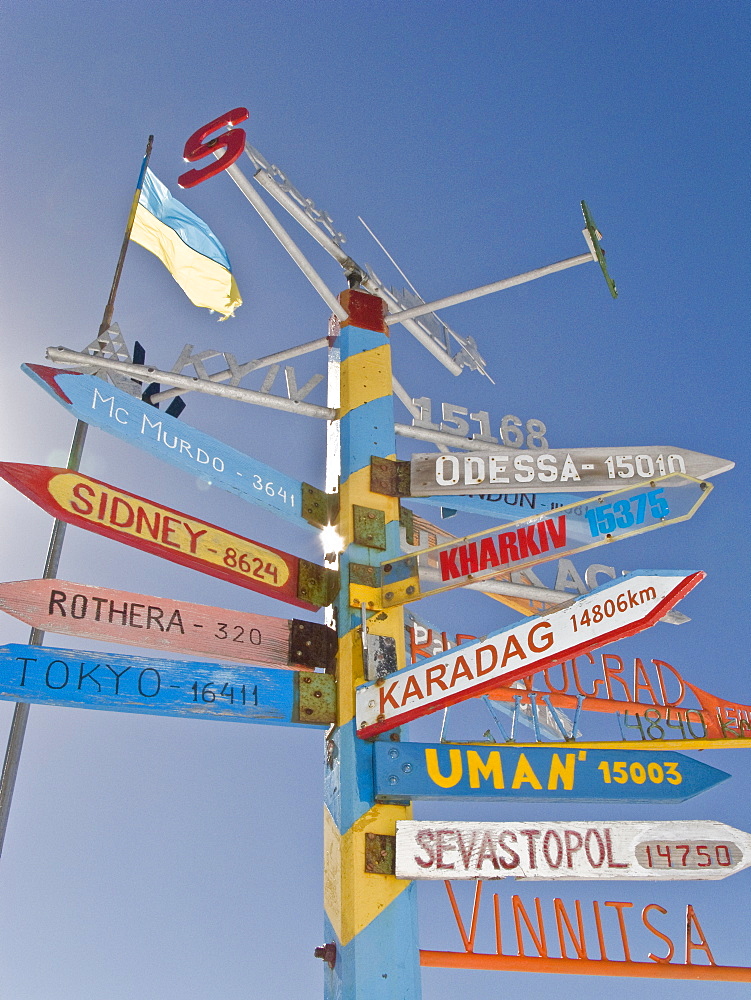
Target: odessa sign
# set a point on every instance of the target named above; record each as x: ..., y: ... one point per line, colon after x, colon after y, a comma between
x: 620, y: 608
x: 174, y: 626
x: 140, y: 424
x: 537, y: 774
x: 512, y: 547
x: 76, y: 679
x: 562, y: 470
x: 96, y: 506
x: 659, y: 851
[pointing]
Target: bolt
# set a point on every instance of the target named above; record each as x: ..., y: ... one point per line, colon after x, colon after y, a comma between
x: 317, y: 694
x: 387, y: 568
x: 327, y: 952
x: 308, y: 711
x: 389, y: 595
x: 410, y: 590
x: 306, y: 680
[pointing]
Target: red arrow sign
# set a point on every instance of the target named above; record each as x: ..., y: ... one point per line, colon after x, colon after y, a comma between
x: 161, y: 623
x: 109, y: 511
x: 620, y: 608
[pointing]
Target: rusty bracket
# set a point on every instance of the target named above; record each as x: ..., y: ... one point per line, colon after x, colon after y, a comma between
x: 365, y: 576
x: 316, y: 584
x: 319, y: 508
x: 369, y: 527
x: 315, y: 698
x: 380, y: 656
x: 407, y: 520
x: 380, y: 853
x: 389, y: 477
x: 312, y: 644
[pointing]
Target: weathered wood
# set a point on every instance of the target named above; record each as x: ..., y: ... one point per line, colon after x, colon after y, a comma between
x: 106, y: 510
x: 560, y: 470
x: 620, y: 608
x: 161, y: 623
x: 664, y: 850
x: 537, y: 774
x: 227, y: 692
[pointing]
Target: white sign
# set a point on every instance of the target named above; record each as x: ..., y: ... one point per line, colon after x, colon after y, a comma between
x: 667, y: 850
x: 617, y: 609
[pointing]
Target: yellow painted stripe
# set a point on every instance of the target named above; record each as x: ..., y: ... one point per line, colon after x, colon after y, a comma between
x: 365, y: 377
x: 352, y: 904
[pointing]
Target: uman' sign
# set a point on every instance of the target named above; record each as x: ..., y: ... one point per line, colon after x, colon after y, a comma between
x: 662, y: 851
x: 96, y: 506
x: 613, y: 611
x: 563, y: 470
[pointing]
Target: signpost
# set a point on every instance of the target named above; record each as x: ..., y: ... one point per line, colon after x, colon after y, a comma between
x: 563, y: 470
x: 536, y: 774
x: 620, y: 608
x: 607, y: 518
x: 192, y: 689
x: 174, y: 626
x: 96, y: 506
x: 677, y: 850
x: 168, y: 438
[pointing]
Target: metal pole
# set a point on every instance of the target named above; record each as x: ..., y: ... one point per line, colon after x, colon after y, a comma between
x: 54, y: 551
x: 370, y: 916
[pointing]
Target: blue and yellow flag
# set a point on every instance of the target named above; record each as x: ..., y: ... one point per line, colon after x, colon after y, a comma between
x: 186, y: 246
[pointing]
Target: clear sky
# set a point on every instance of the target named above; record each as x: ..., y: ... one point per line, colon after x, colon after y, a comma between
x: 168, y: 858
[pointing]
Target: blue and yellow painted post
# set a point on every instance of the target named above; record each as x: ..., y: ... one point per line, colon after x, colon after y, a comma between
x: 370, y: 917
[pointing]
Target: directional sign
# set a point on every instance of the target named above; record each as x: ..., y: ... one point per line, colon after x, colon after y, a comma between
x: 607, y: 518
x: 659, y: 851
x: 104, y: 509
x: 227, y: 692
x: 141, y: 424
x: 620, y: 608
x: 538, y: 774
x: 161, y: 623
x: 572, y: 470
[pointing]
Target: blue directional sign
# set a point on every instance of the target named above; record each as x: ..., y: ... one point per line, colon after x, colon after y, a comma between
x: 115, y: 682
x: 127, y: 417
x: 438, y: 771
x: 505, y: 506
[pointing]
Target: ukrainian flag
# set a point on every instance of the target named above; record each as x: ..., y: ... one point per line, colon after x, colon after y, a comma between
x: 186, y: 246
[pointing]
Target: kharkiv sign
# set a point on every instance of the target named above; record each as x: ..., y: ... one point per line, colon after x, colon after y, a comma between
x: 617, y: 609
x: 96, y: 506
x: 663, y: 851
x: 162, y: 623
x: 607, y: 518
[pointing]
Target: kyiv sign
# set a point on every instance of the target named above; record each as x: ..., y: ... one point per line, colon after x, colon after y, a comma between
x: 620, y: 608
x: 658, y: 851
x: 96, y: 506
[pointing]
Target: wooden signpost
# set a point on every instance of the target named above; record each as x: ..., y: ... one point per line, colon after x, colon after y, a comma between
x: 192, y: 689
x: 406, y: 771
x: 623, y: 607
x: 174, y: 626
x: 659, y: 851
x: 512, y: 547
x: 106, y: 510
x: 560, y: 470
x: 166, y: 437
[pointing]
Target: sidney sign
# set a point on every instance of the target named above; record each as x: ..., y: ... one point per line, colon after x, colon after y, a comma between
x: 140, y: 424
x: 96, y: 506
x: 563, y: 470
x: 620, y: 608
x: 513, y: 547
x: 659, y: 851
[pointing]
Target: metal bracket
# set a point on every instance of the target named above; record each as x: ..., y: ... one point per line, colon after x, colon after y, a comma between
x: 316, y: 584
x: 380, y: 853
x: 319, y: 508
x: 380, y: 656
x: 315, y: 698
x: 369, y: 527
x: 407, y: 520
x: 312, y: 644
x: 364, y: 586
x: 389, y: 477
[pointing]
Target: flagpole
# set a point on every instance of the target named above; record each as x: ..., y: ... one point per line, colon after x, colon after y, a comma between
x: 54, y: 550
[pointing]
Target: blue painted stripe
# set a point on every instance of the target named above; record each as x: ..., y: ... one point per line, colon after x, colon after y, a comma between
x: 367, y: 430
x: 353, y: 341
x: 351, y: 770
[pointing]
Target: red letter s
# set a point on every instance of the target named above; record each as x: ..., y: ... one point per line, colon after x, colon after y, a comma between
x: 196, y: 149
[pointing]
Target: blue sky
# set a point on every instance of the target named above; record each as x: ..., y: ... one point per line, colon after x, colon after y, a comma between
x: 168, y: 858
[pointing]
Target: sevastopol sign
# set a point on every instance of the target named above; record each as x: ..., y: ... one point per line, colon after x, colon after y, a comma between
x: 228, y: 692
x: 165, y: 624
x: 598, y: 521
x: 140, y: 424
x: 106, y: 510
x: 671, y: 850
x: 562, y: 470
x: 618, y: 609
